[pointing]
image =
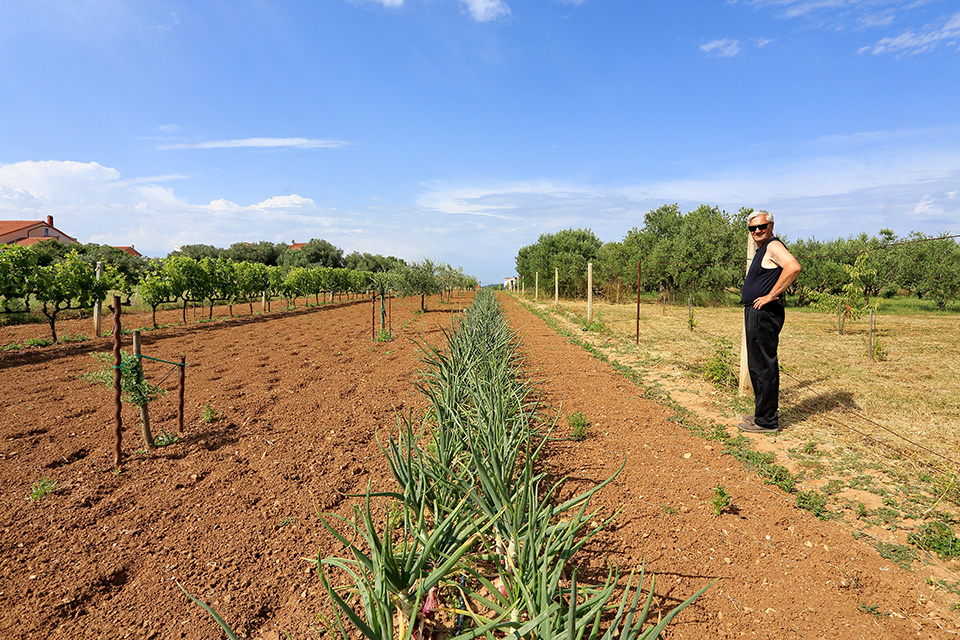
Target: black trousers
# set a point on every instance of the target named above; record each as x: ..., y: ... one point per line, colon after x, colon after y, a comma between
x: 763, y: 337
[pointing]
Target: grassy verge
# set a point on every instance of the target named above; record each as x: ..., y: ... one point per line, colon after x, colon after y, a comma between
x: 837, y: 454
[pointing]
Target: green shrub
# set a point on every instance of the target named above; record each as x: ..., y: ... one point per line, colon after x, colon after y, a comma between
x: 720, y: 370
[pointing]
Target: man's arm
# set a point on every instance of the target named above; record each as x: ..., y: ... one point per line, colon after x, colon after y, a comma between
x: 791, y: 269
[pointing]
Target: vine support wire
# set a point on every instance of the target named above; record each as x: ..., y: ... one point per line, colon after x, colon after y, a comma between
x: 98, y: 305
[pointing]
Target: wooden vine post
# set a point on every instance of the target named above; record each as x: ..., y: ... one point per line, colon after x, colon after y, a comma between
x: 117, y: 390
x: 870, y: 336
x: 746, y: 387
x: 144, y: 410
x: 536, y: 286
x: 556, y: 286
x: 589, y: 292
x: 182, y: 380
x: 638, y: 301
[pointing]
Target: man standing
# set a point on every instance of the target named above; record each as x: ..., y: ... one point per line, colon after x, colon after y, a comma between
x: 772, y: 271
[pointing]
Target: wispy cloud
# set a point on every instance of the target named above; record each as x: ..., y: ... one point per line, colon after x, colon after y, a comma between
x: 837, y: 11
x: 259, y: 143
x: 721, y: 48
x: 169, y: 24
x: 910, y: 42
x: 84, y: 196
x: 486, y: 10
x: 479, y: 10
x: 873, y: 180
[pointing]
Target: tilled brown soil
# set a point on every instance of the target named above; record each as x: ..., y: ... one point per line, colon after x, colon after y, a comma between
x: 229, y: 511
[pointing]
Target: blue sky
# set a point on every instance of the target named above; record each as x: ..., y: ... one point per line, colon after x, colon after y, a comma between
x: 463, y: 129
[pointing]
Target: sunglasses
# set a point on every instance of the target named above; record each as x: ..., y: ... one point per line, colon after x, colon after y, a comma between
x: 758, y: 227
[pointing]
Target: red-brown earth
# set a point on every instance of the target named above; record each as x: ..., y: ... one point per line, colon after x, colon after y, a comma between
x: 300, y: 396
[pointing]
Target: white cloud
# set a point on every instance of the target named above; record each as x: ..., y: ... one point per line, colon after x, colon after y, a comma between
x: 96, y: 204
x: 871, y: 181
x: 721, y: 48
x: 486, y: 10
x: 52, y: 180
x: 285, y: 202
x: 924, y: 40
x: 260, y: 143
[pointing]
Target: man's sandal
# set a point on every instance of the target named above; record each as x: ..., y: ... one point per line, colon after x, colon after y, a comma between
x: 752, y: 427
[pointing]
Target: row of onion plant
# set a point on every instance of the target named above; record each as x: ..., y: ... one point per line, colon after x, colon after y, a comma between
x: 477, y: 542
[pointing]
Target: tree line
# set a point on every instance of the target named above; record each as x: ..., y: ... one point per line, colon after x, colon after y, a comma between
x: 702, y: 254
x: 51, y: 278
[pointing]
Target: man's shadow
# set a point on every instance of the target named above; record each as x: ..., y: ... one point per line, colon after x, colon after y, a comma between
x: 819, y: 404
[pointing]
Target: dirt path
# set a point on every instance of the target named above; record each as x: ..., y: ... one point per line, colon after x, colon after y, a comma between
x: 229, y: 511
x: 783, y: 573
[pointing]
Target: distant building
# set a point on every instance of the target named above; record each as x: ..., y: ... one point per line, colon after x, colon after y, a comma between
x: 130, y: 250
x: 28, y: 232
x: 513, y: 282
x: 296, y: 246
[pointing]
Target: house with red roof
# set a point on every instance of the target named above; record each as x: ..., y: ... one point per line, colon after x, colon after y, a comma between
x: 28, y: 232
x: 130, y: 250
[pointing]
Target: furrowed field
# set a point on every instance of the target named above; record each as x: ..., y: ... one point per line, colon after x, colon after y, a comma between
x: 284, y: 412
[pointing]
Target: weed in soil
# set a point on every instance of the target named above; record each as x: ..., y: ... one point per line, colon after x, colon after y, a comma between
x: 579, y: 425
x: 166, y: 439
x: 938, y: 538
x: 209, y: 414
x: 720, y: 500
x: 41, y: 488
x: 899, y: 554
x: 814, y: 502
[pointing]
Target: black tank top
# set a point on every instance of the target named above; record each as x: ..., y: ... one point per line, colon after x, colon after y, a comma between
x: 759, y: 281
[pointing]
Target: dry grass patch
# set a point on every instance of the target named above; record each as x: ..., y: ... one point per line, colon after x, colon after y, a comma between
x: 852, y: 423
